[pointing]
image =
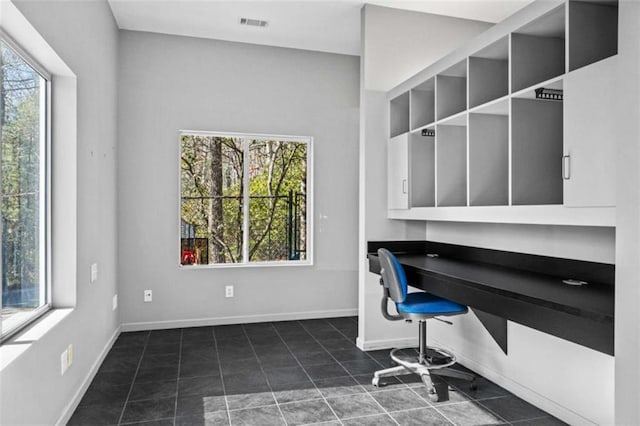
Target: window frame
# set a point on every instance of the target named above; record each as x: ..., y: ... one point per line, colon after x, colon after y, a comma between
x: 45, y: 241
x: 245, y: 224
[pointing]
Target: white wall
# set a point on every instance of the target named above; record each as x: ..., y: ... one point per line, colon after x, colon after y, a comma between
x: 169, y: 83
x: 32, y: 391
x: 395, y: 45
x: 535, y: 359
x: 548, y: 371
x: 628, y: 218
x: 399, y: 43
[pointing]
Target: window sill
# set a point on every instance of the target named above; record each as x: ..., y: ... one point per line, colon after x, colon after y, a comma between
x: 287, y: 264
x: 13, y: 348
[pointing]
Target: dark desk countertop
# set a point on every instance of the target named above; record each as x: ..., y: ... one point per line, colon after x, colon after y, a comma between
x: 526, y: 289
x: 594, y: 300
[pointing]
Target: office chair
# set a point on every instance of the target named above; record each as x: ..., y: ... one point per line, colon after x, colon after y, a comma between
x: 418, y: 306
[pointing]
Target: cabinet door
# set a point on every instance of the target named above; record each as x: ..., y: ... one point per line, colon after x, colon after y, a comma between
x: 398, y: 172
x: 589, y: 166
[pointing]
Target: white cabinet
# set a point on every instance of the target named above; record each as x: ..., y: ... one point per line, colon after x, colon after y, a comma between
x: 589, y: 169
x: 398, y: 172
x: 514, y: 127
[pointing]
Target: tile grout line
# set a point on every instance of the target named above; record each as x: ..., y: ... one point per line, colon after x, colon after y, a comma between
x: 175, y: 405
x: 435, y: 408
x: 348, y: 372
x: 365, y: 352
x: 126, y: 401
x: 224, y: 391
x: 309, y: 331
x: 306, y: 373
x: 255, y: 354
x: 493, y: 412
x: 430, y: 405
x: 372, y: 358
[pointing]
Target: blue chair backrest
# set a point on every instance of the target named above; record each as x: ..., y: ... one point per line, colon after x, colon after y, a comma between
x: 393, y: 276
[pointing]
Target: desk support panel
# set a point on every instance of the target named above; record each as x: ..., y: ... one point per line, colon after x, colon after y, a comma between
x: 495, y: 325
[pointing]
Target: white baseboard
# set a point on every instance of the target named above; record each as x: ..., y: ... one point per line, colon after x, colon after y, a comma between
x: 529, y: 395
x: 372, y: 345
x: 75, y: 401
x: 241, y: 319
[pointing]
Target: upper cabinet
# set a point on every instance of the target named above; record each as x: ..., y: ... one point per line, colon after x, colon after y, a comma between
x: 589, y: 157
x: 515, y: 127
x: 398, y: 172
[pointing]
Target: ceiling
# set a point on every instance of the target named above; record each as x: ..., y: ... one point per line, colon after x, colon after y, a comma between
x: 321, y: 25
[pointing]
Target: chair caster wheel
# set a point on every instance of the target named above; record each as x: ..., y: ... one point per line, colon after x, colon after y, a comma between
x: 376, y: 382
x: 432, y: 394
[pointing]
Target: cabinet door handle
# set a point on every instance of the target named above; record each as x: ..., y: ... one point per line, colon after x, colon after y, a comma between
x: 404, y: 186
x: 566, y: 167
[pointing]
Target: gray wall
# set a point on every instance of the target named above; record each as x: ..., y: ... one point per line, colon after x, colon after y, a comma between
x: 169, y: 83
x: 32, y: 390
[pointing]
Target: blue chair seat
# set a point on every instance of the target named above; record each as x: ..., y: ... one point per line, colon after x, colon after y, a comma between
x: 428, y: 304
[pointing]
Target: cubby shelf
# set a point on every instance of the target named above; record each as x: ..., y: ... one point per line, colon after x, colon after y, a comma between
x: 496, y: 107
x: 399, y: 115
x: 493, y: 145
x: 422, y: 169
x: 593, y: 32
x: 451, y: 90
x: 488, y: 160
x: 538, y: 50
x: 489, y: 73
x: 452, y: 165
x: 536, y: 152
x: 423, y: 107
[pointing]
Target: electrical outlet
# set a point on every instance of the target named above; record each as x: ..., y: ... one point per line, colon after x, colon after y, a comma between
x: 228, y: 291
x: 114, y: 302
x: 94, y: 272
x: 69, y: 355
x: 148, y: 296
x: 64, y: 362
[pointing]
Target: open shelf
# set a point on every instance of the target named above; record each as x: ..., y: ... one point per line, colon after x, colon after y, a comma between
x: 452, y: 165
x: 459, y: 119
x: 593, y: 32
x: 536, y: 150
x: 423, y: 170
x: 538, y: 50
x: 530, y: 92
x: 423, y: 104
x: 452, y: 90
x: 496, y: 107
x: 489, y: 73
x: 399, y: 115
x: 488, y: 160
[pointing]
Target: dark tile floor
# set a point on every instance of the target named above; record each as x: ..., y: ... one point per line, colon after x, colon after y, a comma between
x: 293, y: 373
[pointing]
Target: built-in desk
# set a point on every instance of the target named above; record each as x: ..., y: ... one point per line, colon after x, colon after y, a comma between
x: 525, y: 289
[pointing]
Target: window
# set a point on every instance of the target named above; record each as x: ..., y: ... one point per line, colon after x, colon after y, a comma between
x: 24, y: 171
x: 244, y: 199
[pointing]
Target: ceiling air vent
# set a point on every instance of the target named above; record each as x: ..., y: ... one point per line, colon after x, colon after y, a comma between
x: 253, y: 22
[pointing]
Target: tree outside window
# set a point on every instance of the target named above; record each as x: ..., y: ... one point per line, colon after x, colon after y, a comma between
x: 243, y: 199
x: 23, y: 120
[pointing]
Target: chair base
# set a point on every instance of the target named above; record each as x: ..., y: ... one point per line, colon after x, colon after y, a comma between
x: 438, y: 391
